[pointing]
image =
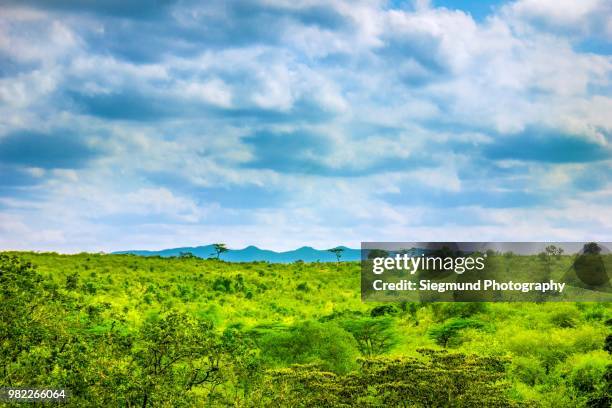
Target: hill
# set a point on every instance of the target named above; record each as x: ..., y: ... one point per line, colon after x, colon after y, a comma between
x: 255, y: 254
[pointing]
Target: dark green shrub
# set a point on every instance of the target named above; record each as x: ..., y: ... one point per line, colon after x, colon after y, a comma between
x: 302, y: 287
x: 383, y: 310
x: 447, y: 334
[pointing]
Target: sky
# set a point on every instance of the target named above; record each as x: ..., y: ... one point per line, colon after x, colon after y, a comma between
x: 283, y: 123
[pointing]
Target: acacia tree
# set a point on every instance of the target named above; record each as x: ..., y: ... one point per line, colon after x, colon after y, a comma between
x: 220, y: 248
x: 552, y: 250
x: 338, y: 252
x: 436, y: 379
x: 374, y: 336
x: 448, y: 333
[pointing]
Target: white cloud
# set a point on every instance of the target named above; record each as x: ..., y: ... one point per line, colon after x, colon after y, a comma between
x: 423, y: 86
x: 213, y: 91
x: 581, y: 17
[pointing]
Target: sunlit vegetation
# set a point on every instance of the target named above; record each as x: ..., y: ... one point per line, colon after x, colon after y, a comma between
x: 122, y: 330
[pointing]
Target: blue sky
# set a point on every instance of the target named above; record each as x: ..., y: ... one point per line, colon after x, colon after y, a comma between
x: 288, y: 123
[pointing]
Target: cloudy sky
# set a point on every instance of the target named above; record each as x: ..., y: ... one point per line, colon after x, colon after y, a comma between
x: 284, y: 123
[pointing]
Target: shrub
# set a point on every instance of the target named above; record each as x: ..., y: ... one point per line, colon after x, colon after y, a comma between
x: 302, y: 287
x: 565, y: 318
x: 324, y: 344
x: 447, y: 334
x: 374, y: 336
x: 72, y: 281
x: 528, y: 370
x: 222, y: 285
x: 383, y: 310
x: 586, y: 372
x: 436, y: 379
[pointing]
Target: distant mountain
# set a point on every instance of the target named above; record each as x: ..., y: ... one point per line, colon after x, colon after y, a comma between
x: 252, y: 253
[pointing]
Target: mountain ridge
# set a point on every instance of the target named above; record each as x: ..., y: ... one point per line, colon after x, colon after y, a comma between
x: 252, y: 253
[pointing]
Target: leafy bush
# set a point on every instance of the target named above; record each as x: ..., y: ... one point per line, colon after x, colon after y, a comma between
x: 222, y: 285
x: 447, y: 334
x: 528, y: 370
x: 586, y: 372
x: 383, y: 310
x: 303, y: 286
x: 72, y: 281
x: 565, y: 318
x: 374, y: 336
x: 436, y: 379
x: 324, y: 344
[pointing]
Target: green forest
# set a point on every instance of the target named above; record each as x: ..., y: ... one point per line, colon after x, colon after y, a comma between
x: 130, y: 331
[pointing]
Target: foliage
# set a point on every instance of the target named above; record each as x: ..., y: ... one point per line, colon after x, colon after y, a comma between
x: 374, y: 336
x: 435, y: 379
x: 338, y: 252
x: 324, y: 344
x: 123, y: 330
x: 383, y: 310
x: 591, y: 248
x: 447, y: 334
x: 552, y: 250
x: 219, y: 248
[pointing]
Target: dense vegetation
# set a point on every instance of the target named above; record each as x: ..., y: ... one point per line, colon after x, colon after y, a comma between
x: 122, y: 330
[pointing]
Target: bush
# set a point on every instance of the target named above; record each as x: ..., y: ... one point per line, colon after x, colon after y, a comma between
x: 436, y: 379
x: 303, y: 287
x: 383, y: 310
x: 72, y: 281
x: 565, y: 318
x: 222, y: 285
x: 374, y: 335
x: 447, y: 334
x: 528, y: 370
x: 586, y: 372
x: 608, y: 344
x: 324, y: 344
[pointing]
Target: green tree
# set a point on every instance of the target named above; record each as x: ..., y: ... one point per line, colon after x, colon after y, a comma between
x: 552, y: 250
x: 338, y: 252
x: 324, y: 344
x: 592, y: 248
x: 374, y: 335
x: 447, y: 334
x: 436, y: 379
x: 219, y: 248
x: 177, y: 353
x: 28, y: 315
